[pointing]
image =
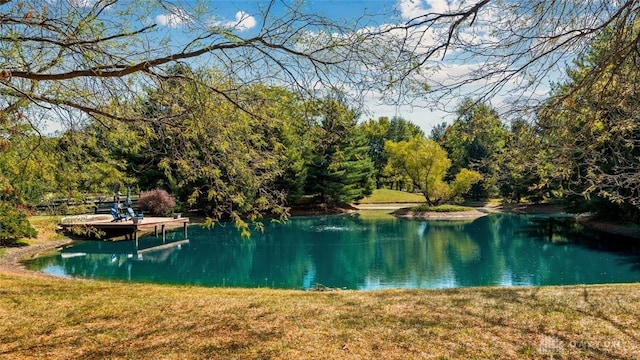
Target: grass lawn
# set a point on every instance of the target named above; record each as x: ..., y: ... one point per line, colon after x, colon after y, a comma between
x: 42, y: 317
x: 66, y: 319
x: 385, y: 196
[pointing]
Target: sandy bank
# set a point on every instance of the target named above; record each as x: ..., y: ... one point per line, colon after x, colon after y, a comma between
x: 11, y: 261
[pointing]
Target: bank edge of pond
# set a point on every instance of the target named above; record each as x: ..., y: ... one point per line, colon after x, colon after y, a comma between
x: 588, y: 221
x: 432, y: 215
x: 11, y: 261
x: 607, y: 227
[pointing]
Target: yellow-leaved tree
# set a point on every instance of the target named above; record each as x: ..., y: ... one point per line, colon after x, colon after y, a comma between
x: 426, y: 164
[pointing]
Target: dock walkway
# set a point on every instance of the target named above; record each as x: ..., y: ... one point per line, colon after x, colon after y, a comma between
x: 128, y: 226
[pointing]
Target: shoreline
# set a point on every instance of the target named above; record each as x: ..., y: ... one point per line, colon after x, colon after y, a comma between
x: 429, y: 215
x: 11, y: 261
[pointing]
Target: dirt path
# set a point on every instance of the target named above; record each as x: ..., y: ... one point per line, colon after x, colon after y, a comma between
x: 10, y: 262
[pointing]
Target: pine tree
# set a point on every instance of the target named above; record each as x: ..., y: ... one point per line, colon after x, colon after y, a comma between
x: 341, y: 170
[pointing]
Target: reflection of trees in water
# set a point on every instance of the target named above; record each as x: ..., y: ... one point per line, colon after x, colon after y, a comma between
x: 470, y: 250
x: 350, y: 251
x: 550, y: 250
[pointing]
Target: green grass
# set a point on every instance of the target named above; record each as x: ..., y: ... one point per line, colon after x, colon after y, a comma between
x: 63, y: 319
x: 382, y: 196
x: 46, y: 226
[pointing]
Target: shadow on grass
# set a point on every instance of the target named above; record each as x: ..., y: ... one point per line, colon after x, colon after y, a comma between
x: 4, y: 243
x: 608, y: 338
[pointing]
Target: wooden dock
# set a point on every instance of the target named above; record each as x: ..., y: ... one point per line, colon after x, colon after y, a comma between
x: 158, y: 224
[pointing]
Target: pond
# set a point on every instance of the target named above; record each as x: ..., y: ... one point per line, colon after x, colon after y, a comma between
x: 368, y: 250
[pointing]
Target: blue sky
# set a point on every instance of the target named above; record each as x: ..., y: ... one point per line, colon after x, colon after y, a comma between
x: 242, y: 15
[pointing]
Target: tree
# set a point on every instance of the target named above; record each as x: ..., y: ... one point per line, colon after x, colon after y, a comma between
x: 376, y: 132
x: 14, y: 172
x: 219, y: 159
x: 380, y: 131
x: 426, y: 164
x: 402, y: 130
x: 14, y: 225
x: 508, y: 48
x: 438, y: 132
x: 522, y: 161
x: 87, y: 165
x: 476, y: 140
x: 340, y: 170
x: 28, y: 169
x: 592, y: 134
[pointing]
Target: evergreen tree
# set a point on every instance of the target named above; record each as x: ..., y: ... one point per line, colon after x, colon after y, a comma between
x: 403, y: 130
x: 341, y: 170
x: 518, y: 174
x: 376, y: 132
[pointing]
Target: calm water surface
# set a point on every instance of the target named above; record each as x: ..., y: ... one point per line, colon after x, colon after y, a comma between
x: 363, y: 251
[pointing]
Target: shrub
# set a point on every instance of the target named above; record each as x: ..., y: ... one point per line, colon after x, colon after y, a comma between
x: 156, y: 202
x: 14, y: 224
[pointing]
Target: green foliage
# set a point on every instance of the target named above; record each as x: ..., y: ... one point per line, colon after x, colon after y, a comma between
x: 402, y: 130
x: 522, y: 163
x: 476, y: 140
x: 591, y: 131
x: 14, y: 224
x: 376, y: 132
x: 426, y: 164
x: 28, y: 169
x: 380, y: 131
x: 37, y: 169
x: 463, y: 182
x: 88, y: 164
x: 288, y: 116
x: 228, y: 163
x: 340, y: 170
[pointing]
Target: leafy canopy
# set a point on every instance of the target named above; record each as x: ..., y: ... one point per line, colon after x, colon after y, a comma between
x: 426, y: 164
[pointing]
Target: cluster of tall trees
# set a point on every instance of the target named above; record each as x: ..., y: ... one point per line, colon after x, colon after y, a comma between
x: 260, y: 151
x: 232, y: 163
x: 267, y: 121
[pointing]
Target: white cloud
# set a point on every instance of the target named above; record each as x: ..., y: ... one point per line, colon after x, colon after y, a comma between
x: 243, y: 22
x: 82, y: 3
x: 410, y: 9
x: 175, y: 18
